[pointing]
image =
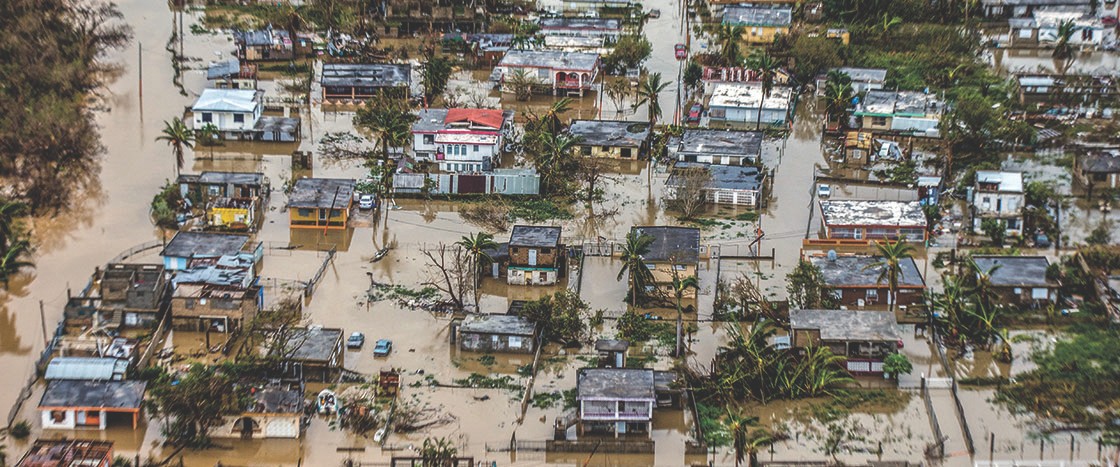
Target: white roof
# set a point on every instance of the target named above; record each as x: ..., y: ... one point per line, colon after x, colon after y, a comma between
x: 226, y: 100
x: 1011, y: 182
x: 466, y: 138
x: 749, y: 95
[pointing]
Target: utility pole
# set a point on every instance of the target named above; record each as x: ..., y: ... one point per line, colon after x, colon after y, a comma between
x: 140, y: 68
x: 43, y: 319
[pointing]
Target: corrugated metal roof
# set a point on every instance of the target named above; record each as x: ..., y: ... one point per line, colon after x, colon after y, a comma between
x: 86, y: 368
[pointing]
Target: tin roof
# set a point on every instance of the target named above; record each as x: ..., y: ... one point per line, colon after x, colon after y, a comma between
x: 204, y: 245
x: 498, y: 324
x: 704, y: 141
x: 86, y: 368
x: 315, y: 344
x: 99, y: 394
x: 567, y: 22
x: 742, y: 15
x: 1104, y: 161
x: 865, y: 75
x: 227, y: 100
x: 331, y: 193
x: 614, y: 384
x: 609, y: 132
x: 863, y: 271
x: 551, y: 59
x: 1016, y: 271
x: 846, y: 325
x: 681, y: 244
x: 366, y: 74
x: 724, y: 177
x: 536, y: 236
x: 749, y: 96
x: 873, y: 213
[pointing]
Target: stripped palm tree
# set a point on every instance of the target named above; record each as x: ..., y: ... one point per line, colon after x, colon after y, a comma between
x: 178, y: 136
x: 767, y: 68
x: 555, y: 151
x: 648, y: 94
x: 891, y: 256
x: 982, y: 288
x: 837, y: 97
x: 1063, y: 50
x: 477, y: 244
x: 728, y: 37
x: 633, y: 262
x: 680, y: 286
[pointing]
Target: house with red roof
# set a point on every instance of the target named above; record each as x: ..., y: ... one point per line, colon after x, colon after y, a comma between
x: 461, y: 140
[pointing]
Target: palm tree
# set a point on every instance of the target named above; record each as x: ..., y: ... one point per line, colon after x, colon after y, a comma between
x: 728, y: 37
x: 521, y: 83
x: 767, y: 68
x: 1063, y: 50
x: 891, y: 255
x: 649, y: 90
x: 9, y: 211
x: 551, y: 117
x: 982, y: 287
x: 391, y: 123
x: 746, y: 443
x: 438, y: 452
x: 822, y: 372
x: 984, y: 325
x: 886, y: 24
x: 555, y: 149
x: 178, y: 136
x: 951, y: 303
x: 207, y: 136
x: 477, y: 244
x: 837, y: 95
x: 679, y: 287
x: 637, y: 246
x: 12, y: 260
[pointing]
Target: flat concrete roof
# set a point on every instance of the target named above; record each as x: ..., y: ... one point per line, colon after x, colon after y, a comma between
x: 551, y: 59
x: 741, y: 15
x: 614, y: 133
x: 865, y: 75
x: 681, y: 244
x: 536, y: 236
x: 873, y: 213
x: 204, y: 245
x: 1009, y: 182
x: 749, y: 96
x: 1016, y: 271
x: 614, y: 384
x: 899, y: 103
x: 724, y: 177
x: 277, y: 400
x: 719, y: 142
x: 374, y: 75
x: 93, y: 394
x: 498, y: 324
x: 333, y: 193
x: 862, y: 271
x: 315, y: 344
x: 86, y: 368
x: 847, y: 325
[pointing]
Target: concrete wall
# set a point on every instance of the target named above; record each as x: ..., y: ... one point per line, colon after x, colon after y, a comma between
x: 479, y: 342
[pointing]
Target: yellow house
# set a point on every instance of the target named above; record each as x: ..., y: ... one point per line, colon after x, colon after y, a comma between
x: 760, y: 23
x: 322, y: 203
x: 231, y: 213
x: 610, y: 138
x: 675, y: 252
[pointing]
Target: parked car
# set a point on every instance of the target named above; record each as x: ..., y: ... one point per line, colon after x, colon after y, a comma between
x: 356, y: 340
x: 654, y: 13
x: 824, y: 191
x: 694, y: 113
x: 382, y: 348
x: 1041, y: 241
x: 680, y: 51
x: 366, y: 202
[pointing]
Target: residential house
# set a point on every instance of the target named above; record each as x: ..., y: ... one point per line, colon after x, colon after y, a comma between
x: 611, y: 138
x: 615, y: 400
x: 601, y: 28
x: 900, y: 111
x: 68, y: 453
x: 565, y: 73
x: 187, y: 246
x: 863, y: 338
x: 203, y: 306
x: 231, y: 200
x: 487, y: 49
x: 361, y: 81
x: 497, y: 333
x: 413, y: 18
x: 863, y: 79
x: 855, y: 280
x: 594, y: 5
x: 536, y: 256
x: 461, y: 140
x: 86, y: 368
x: 1041, y: 29
x: 998, y: 195
x: 742, y: 74
x: 276, y: 412
x: 264, y: 44
x: 1020, y: 280
x: 316, y: 350
x: 739, y: 185
x: 1071, y: 89
x: 929, y: 190
x: 675, y: 252
x: 1098, y: 169
x: 320, y: 203
x: 231, y: 74
x: 761, y: 23
x: 121, y: 295
x: 69, y: 404
x: 1026, y: 8
x: 513, y: 182
x: 874, y: 220
x: 612, y: 352
x: 742, y: 103
x: 724, y: 147
x: 237, y: 114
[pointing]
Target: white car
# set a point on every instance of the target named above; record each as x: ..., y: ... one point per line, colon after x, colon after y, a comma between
x: 824, y: 191
x: 365, y: 202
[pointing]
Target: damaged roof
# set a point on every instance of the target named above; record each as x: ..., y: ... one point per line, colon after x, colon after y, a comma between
x: 865, y: 75
x: 535, y: 236
x: 679, y: 244
x: 1104, y: 161
x: 227, y: 100
x: 375, y: 75
x: 235, y: 178
x: 749, y: 96
x: 434, y: 120
x: 614, y: 384
x: 611, y: 345
x: 846, y: 325
x: 1016, y: 271
x: 314, y: 344
x: 567, y: 22
x: 204, y: 245
x: 1009, y: 182
x: 86, y: 368
x: 553, y: 59
x: 93, y: 394
x: 498, y: 324
x: 276, y: 400
x: 741, y: 15
x: 330, y: 193
x: 724, y: 177
x: 863, y: 271
x: 719, y: 142
x: 898, y: 103
x: 614, y: 133
x: 873, y: 212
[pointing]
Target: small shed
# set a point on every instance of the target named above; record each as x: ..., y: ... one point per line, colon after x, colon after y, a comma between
x: 86, y: 368
x: 497, y: 333
x: 612, y: 352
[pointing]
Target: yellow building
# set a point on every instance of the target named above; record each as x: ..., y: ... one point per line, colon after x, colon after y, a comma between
x: 322, y: 203
x: 675, y: 252
x: 610, y: 138
x: 760, y: 23
x: 231, y: 213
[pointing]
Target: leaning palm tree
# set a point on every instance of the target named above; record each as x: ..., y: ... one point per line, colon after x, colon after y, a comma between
x: 636, y: 247
x: 476, y: 244
x: 891, y: 256
x: 648, y: 94
x: 9, y: 211
x: 747, y: 443
x: 982, y: 288
x: 728, y: 37
x: 14, y: 259
x: 837, y: 98
x: 767, y: 68
x: 680, y: 286
x: 178, y: 136
x: 551, y: 117
x: 555, y: 149
x: 1063, y: 50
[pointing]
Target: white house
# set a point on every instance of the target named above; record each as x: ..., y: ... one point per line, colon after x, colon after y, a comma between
x: 566, y: 73
x: 68, y: 404
x: 742, y: 102
x: 1089, y: 31
x: 230, y: 110
x: 998, y: 195
x: 461, y: 140
x: 615, y: 400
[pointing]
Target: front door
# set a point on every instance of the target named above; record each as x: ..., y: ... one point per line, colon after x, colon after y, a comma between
x: 532, y: 257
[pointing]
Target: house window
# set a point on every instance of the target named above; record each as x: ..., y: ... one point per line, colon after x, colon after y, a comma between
x: 1100, y: 177
x: 679, y: 267
x: 872, y: 294
x: 336, y: 212
x: 999, y: 205
x: 546, y: 251
x: 625, y: 153
x: 879, y: 121
x: 513, y: 251
x: 58, y: 416
x: 190, y: 303
x: 238, y: 118
x: 476, y: 148
x: 429, y: 139
x: 207, y: 117
x: 585, y: 150
x: 304, y: 212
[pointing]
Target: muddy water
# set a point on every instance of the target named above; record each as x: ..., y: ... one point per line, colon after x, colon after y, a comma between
x: 1010, y: 60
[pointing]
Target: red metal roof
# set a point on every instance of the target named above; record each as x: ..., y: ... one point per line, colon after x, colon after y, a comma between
x: 484, y: 117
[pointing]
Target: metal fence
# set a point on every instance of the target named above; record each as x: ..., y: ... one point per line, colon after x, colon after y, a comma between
x: 938, y: 446
x: 135, y: 250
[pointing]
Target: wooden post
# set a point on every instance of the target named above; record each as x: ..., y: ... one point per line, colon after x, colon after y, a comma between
x: 43, y: 320
x: 140, y: 67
